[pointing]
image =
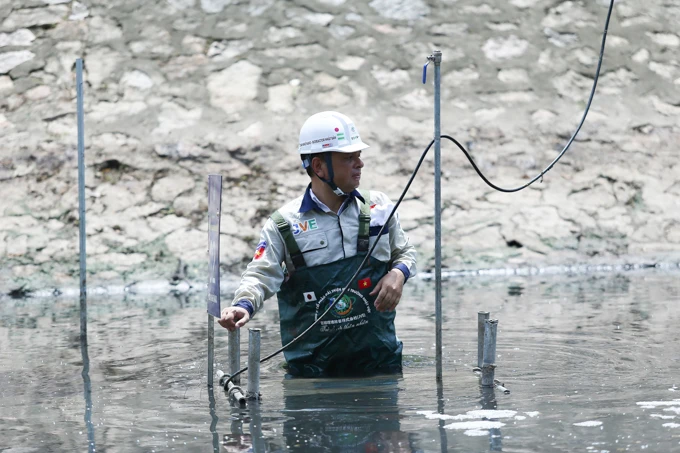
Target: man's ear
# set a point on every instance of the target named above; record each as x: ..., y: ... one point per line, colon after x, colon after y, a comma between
x: 318, y: 166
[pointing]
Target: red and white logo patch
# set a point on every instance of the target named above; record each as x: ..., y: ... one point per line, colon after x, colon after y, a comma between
x: 309, y: 297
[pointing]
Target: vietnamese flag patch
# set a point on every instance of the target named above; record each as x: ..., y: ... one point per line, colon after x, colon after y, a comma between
x: 259, y: 251
x: 365, y: 283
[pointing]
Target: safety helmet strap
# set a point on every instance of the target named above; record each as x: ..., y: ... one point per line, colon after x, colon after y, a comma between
x: 328, y: 157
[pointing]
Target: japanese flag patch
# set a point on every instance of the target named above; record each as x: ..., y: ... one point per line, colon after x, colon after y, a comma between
x: 309, y: 297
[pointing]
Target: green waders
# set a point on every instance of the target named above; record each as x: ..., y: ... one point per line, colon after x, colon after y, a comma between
x: 354, y: 338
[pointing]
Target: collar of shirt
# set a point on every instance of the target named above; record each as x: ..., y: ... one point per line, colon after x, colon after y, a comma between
x: 310, y: 201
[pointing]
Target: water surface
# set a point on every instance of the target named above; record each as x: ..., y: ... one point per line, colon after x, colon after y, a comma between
x: 592, y: 363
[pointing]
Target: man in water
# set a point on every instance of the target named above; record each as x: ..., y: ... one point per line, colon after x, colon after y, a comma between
x: 312, y: 245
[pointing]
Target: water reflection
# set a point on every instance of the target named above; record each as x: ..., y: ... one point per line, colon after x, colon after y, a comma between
x: 213, y: 420
x: 443, y: 440
x: 148, y: 375
x: 87, y: 385
x: 237, y: 440
x: 343, y: 415
x: 488, y: 402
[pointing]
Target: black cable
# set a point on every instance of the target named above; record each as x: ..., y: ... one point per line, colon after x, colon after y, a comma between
x: 566, y: 147
x: 481, y: 175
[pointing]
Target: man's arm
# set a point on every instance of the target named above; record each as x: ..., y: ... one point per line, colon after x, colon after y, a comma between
x: 403, y: 259
x: 402, y: 252
x: 262, y: 278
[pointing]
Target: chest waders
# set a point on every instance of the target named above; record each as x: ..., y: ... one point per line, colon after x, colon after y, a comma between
x: 353, y: 338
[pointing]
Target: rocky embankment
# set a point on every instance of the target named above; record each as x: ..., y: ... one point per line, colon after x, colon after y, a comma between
x: 179, y: 89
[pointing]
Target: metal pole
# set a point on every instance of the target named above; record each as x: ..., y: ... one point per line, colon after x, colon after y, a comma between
x: 253, y: 392
x: 438, y: 209
x: 482, y: 316
x: 234, y: 353
x: 211, y: 349
x: 81, y: 173
x: 489, y: 362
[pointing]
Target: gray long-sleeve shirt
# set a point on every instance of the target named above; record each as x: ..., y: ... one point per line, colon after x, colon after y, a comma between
x: 323, y: 237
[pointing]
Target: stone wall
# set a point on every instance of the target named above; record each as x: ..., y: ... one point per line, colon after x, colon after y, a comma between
x: 178, y: 89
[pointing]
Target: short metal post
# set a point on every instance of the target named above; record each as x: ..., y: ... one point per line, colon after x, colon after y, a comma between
x: 253, y: 392
x: 489, y: 361
x: 482, y: 316
x: 234, y: 352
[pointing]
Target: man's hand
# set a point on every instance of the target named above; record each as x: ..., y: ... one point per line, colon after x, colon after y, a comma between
x: 388, y: 290
x: 234, y: 318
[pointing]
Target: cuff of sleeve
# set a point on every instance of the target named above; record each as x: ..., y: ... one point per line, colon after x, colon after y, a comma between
x: 244, y: 303
x: 402, y: 267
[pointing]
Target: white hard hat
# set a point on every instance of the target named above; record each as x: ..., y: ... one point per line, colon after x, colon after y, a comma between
x: 329, y: 131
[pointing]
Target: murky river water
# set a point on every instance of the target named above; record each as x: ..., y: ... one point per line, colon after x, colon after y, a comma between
x: 593, y: 364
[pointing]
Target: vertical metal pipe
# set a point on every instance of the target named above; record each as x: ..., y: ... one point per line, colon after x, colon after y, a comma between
x: 489, y: 361
x: 81, y: 173
x: 438, y: 209
x: 481, y: 317
x: 234, y: 353
x: 211, y: 349
x: 253, y: 392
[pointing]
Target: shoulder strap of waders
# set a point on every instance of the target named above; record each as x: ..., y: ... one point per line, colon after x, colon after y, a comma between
x: 364, y: 222
x: 291, y: 244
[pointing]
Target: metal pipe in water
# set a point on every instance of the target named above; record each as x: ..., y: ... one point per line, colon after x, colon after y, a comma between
x: 234, y: 352
x: 437, y: 59
x: 482, y: 316
x: 235, y: 392
x: 253, y: 389
x: 500, y: 386
x: 489, y: 361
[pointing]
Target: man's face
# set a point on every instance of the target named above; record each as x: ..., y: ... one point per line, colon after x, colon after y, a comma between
x: 347, y: 170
